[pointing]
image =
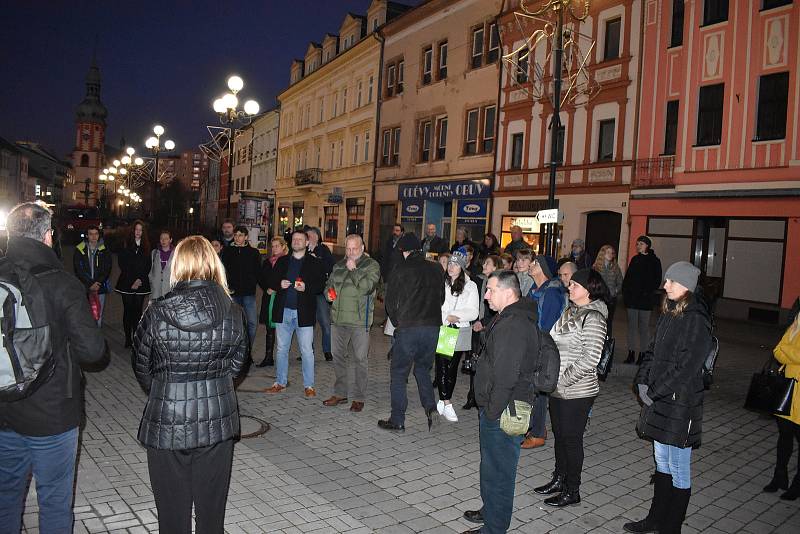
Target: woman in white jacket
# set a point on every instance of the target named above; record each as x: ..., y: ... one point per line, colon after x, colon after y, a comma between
x: 160, y: 265
x: 461, y: 306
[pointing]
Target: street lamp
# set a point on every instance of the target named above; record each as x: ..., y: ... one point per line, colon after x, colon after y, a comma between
x: 226, y: 107
x: 155, y: 146
x: 125, y: 167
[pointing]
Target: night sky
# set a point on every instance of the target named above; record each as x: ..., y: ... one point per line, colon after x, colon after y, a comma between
x: 160, y: 62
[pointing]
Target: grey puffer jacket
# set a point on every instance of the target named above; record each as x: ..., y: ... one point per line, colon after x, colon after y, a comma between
x: 187, y: 350
x: 580, y: 334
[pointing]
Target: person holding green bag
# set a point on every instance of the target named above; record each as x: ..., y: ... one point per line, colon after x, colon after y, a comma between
x: 279, y: 248
x: 461, y: 306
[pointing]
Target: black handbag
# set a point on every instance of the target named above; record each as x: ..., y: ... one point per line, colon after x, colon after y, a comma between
x: 770, y: 391
x: 606, y: 359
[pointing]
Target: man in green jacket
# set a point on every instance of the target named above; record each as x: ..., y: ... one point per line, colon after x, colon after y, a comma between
x: 351, y: 288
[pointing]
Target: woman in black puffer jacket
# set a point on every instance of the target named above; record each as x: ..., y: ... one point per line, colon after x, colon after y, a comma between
x: 670, y: 385
x: 188, y: 349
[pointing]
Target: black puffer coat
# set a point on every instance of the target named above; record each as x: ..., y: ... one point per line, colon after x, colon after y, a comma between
x: 188, y: 348
x: 672, y: 370
x: 641, y: 282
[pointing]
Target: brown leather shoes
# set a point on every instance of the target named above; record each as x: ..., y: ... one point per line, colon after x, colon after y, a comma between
x: 531, y: 442
x: 310, y: 392
x: 276, y: 388
x: 356, y: 406
x: 334, y: 401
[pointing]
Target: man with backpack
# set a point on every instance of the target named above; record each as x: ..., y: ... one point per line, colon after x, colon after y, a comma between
x: 40, y: 404
x: 516, y: 362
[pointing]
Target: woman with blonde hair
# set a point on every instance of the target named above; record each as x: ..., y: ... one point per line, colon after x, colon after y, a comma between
x: 188, y: 349
x: 606, y: 264
x: 278, y: 248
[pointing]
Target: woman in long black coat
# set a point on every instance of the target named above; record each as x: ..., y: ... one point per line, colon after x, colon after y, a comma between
x: 278, y: 248
x: 670, y: 385
x: 134, y: 277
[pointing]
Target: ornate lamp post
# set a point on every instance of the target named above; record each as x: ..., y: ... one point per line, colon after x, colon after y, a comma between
x: 124, y: 168
x: 155, y: 146
x: 231, y: 117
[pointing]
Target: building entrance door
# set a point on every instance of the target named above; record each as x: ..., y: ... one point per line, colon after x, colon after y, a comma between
x: 710, y: 235
x: 602, y: 228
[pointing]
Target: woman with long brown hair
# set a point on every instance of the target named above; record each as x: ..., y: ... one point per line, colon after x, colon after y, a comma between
x: 607, y: 265
x: 134, y: 277
x: 188, y: 349
x: 278, y: 248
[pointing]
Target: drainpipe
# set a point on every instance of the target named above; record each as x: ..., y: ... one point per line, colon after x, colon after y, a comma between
x: 497, y: 117
x: 635, y: 126
x: 378, y: 100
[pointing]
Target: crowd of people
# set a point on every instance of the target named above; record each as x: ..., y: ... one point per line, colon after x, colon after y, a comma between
x: 528, y: 330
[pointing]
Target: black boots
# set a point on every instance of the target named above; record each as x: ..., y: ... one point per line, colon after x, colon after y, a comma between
x: 471, y: 394
x: 556, y: 485
x: 780, y: 480
x: 631, y: 356
x: 328, y: 357
x: 270, y: 350
x: 565, y: 498
x: 676, y: 511
x: 794, y: 489
x: 662, y: 492
x: 639, y: 359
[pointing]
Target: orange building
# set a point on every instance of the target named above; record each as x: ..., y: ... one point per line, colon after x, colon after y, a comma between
x: 717, y: 175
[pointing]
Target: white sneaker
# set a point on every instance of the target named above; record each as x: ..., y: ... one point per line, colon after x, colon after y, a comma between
x: 440, y: 407
x: 449, y: 413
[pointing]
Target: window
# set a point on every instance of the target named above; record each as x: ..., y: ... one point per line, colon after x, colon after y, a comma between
x: 387, y: 137
x: 611, y: 49
x: 358, y: 96
x: 715, y: 11
x: 709, y: 115
x: 369, y: 97
x: 676, y: 37
x: 442, y: 74
x: 773, y: 94
x: 374, y: 24
x: 517, y: 147
x: 471, y: 144
x: 400, y: 77
x: 494, y: 44
x: 319, y: 153
x: 333, y: 153
x: 396, y: 146
x: 605, y: 145
x: 425, y: 141
x: 559, y: 138
x: 331, y: 222
x: 390, y: 80
x: 341, y: 152
x: 427, y: 65
x: 366, y: 146
x: 671, y: 130
x: 355, y: 150
x: 355, y: 215
x: 769, y: 4
x: 335, y: 104
x: 522, y: 65
x: 477, y: 47
x: 85, y: 160
x: 441, y: 137
x: 488, y: 128
x: 344, y: 100
x: 321, y: 109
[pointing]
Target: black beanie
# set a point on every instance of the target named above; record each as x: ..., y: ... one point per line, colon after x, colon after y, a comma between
x: 581, y: 277
x: 408, y: 243
x: 646, y: 240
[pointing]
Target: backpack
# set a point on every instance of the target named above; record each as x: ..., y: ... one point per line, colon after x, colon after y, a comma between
x: 545, y: 378
x: 26, y: 351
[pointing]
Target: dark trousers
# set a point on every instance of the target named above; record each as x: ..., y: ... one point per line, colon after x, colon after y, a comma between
x: 787, y: 433
x: 415, y: 346
x: 536, y: 427
x: 447, y: 373
x: 131, y: 313
x: 568, y: 417
x: 200, y: 476
x: 612, y: 308
x: 499, y: 459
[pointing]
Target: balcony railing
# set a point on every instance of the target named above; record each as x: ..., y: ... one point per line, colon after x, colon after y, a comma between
x: 308, y: 177
x: 654, y: 172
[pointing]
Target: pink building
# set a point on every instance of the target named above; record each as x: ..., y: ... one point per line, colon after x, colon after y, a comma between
x: 717, y: 175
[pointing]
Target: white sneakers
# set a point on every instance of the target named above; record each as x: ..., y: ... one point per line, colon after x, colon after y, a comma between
x: 440, y: 407
x: 449, y: 413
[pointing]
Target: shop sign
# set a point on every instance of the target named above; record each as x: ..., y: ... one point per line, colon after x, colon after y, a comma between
x: 474, y: 209
x: 552, y: 216
x: 528, y: 224
x: 412, y: 209
x: 446, y: 190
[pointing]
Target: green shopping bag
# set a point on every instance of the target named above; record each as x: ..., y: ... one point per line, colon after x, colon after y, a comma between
x: 446, y: 345
x: 270, y: 322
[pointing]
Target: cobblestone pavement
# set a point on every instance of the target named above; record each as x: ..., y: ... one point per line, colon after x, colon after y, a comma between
x: 326, y: 470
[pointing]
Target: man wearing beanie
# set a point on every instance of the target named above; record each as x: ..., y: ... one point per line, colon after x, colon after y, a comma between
x: 639, y: 287
x: 414, y: 305
x: 551, y: 299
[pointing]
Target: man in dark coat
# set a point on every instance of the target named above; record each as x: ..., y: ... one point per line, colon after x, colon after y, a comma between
x: 321, y: 251
x: 242, y: 268
x: 414, y: 304
x: 433, y: 243
x: 297, y: 278
x: 504, y: 373
x: 390, y: 256
x: 39, y: 433
x: 91, y: 263
x: 639, y: 294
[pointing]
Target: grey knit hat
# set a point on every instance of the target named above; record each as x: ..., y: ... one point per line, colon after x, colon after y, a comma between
x: 459, y: 257
x: 684, y: 273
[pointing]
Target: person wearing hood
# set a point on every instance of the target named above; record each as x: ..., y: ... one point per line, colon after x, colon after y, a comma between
x: 460, y: 308
x: 578, y: 254
x: 580, y: 334
x: 639, y: 295
x: 670, y: 387
x: 191, y: 418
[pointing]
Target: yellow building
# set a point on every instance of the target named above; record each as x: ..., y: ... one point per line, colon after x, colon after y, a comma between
x: 326, y: 149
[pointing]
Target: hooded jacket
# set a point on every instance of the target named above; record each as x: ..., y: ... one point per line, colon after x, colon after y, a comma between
x: 509, y: 359
x: 465, y: 305
x: 82, y: 265
x: 641, y: 281
x: 672, y: 370
x: 188, y: 348
x: 416, y: 294
x: 580, y: 334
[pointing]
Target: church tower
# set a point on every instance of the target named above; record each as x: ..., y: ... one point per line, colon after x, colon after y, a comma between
x: 90, y: 137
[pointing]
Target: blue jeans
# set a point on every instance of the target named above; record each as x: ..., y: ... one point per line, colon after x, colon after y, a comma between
x: 499, y: 459
x: 305, y: 340
x: 52, y: 461
x: 536, y: 427
x: 324, y: 321
x: 412, y: 346
x: 675, y: 461
x: 248, y: 304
